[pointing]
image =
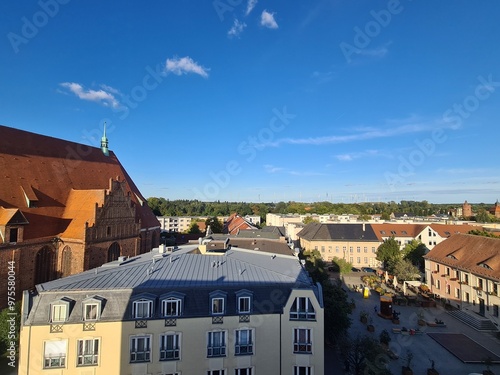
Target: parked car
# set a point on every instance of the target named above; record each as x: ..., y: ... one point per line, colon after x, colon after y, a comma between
x: 368, y: 269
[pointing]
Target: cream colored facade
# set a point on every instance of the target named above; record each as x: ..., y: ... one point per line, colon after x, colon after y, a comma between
x: 285, y: 328
x: 358, y: 253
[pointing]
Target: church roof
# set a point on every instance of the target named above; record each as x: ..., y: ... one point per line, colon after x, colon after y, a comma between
x: 50, y: 179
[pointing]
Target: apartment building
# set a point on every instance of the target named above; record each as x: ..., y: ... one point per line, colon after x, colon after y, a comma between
x: 176, y: 224
x: 239, y: 311
x: 465, y: 271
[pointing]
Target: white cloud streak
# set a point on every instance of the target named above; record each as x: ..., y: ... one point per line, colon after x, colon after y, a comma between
x: 267, y: 20
x: 236, y: 29
x: 104, y: 96
x: 185, y: 65
x: 250, y: 5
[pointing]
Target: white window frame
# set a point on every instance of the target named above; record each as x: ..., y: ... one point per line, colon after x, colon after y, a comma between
x: 244, y: 371
x: 248, y: 305
x: 141, y: 302
x: 87, y: 351
x: 217, y: 308
x: 170, y: 351
x: 54, y: 353
x: 145, y: 353
x: 216, y: 344
x: 302, y: 346
x: 171, y: 301
x: 86, y: 316
x: 302, y: 309
x: 243, y: 341
x: 59, y: 313
x: 308, y: 370
x: 217, y: 372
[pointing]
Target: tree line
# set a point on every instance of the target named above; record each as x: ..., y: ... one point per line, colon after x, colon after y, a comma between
x: 166, y: 207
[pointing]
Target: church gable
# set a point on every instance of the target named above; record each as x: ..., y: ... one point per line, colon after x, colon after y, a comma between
x: 116, y: 217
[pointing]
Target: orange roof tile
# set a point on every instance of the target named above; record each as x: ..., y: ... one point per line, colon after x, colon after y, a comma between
x: 477, y: 254
x: 49, y: 169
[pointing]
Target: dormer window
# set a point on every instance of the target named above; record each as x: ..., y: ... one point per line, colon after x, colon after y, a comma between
x: 218, y: 302
x: 172, y: 304
x: 142, y: 307
x: 59, y: 313
x: 244, y: 301
x: 302, y: 309
x: 217, y: 305
x: 92, y: 308
x: 59, y: 310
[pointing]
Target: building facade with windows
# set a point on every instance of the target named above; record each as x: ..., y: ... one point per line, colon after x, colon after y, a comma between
x: 356, y: 243
x: 65, y: 207
x: 464, y: 270
x: 239, y: 312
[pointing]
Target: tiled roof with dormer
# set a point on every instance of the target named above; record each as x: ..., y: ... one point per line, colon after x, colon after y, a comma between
x: 476, y: 254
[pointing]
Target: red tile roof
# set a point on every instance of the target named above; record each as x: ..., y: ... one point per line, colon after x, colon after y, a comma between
x: 478, y: 254
x: 58, y: 177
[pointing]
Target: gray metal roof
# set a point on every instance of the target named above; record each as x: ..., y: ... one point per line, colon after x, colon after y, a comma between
x: 194, y: 275
x: 338, y: 232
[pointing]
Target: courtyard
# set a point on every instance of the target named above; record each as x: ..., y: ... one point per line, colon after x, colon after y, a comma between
x: 422, y: 345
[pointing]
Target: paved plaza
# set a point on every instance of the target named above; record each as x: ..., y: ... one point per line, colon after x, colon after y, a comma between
x: 423, y: 347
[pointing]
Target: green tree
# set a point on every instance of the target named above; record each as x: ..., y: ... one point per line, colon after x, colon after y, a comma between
x: 215, y: 224
x: 343, y: 265
x: 194, y: 228
x: 337, y: 307
x: 483, y: 216
x: 414, y: 252
x: 5, y: 326
x: 385, y: 216
x: 309, y: 219
x: 404, y: 270
x: 388, y: 252
x: 364, y: 355
x: 477, y: 232
x: 364, y: 217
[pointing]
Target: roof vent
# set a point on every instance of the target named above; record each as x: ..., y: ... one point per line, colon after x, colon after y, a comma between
x: 122, y: 258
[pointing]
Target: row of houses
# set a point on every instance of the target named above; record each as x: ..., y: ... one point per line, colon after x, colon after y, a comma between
x: 358, y: 243
x: 464, y: 272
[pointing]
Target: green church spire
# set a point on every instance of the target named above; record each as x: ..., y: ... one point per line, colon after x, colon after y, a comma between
x: 104, y: 143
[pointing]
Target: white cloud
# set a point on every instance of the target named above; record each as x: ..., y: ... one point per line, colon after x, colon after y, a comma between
x: 236, y: 29
x: 272, y: 169
x: 185, y: 65
x: 104, y: 96
x: 110, y: 89
x: 392, y: 128
x: 267, y: 20
x: 357, y: 155
x: 250, y: 5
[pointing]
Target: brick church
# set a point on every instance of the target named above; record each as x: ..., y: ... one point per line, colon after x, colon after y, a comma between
x: 65, y: 207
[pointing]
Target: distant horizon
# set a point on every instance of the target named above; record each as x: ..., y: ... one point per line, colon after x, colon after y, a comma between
x: 267, y: 101
x: 311, y: 203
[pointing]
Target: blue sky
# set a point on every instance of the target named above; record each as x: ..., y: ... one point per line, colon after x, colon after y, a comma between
x: 345, y: 101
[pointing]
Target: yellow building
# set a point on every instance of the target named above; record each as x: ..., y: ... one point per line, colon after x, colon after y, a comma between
x: 245, y: 312
x: 355, y: 243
